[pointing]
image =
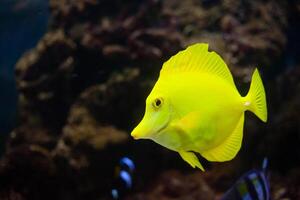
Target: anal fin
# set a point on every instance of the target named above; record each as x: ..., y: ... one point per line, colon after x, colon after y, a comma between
x: 191, y: 158
x: 229, y: 148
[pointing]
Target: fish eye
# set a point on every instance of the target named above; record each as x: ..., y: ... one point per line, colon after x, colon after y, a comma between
x: 157, y: 102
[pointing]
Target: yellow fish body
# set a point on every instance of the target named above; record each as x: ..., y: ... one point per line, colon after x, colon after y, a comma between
x: 195, y: 107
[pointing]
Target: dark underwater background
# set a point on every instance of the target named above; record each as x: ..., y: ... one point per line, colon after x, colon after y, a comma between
x: 74, y: 75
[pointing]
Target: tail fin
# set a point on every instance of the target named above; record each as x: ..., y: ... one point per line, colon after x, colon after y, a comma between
x: 256, y: 97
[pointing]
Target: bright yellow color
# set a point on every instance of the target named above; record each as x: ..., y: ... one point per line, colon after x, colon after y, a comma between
x: 195, y: 107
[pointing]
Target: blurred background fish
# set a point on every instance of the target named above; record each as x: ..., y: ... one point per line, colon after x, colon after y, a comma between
x: 123, y: 178
x: 253, y: 185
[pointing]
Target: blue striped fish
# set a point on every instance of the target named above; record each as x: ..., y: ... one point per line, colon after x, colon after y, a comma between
x: 253, y: 185
x: 123, y: 178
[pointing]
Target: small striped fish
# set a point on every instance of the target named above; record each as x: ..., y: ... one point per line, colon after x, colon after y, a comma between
x: 123, y: 182
x: 253, y: 185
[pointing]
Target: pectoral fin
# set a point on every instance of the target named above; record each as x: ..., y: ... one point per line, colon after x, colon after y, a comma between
x: 229, y: 148
x: 191, y: 158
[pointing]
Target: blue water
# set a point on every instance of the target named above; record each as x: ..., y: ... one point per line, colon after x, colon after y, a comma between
x: 22, y: 24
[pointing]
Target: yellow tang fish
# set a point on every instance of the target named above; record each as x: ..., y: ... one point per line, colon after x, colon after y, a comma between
x: 195, y: 107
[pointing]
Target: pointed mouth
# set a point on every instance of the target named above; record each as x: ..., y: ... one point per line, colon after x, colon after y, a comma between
x: 148, y: 129
x: 147, y: 134
x: 135, y: 134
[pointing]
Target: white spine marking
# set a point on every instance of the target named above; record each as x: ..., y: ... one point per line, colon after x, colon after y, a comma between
x: 247, y: 103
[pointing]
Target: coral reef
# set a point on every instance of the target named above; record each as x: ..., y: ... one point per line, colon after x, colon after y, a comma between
x: 174, y: 185
x: 82, y: 89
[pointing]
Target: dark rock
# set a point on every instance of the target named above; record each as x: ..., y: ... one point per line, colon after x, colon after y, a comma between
x: 177, y: 186
x: 43, y: 78
x: 28, y: 172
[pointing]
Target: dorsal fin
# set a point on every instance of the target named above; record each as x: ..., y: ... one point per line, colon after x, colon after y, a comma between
x: 197, y: 58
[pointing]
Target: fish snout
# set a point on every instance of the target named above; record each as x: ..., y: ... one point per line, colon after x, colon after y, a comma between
x: 135, y: 134
x: 140, y: 132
